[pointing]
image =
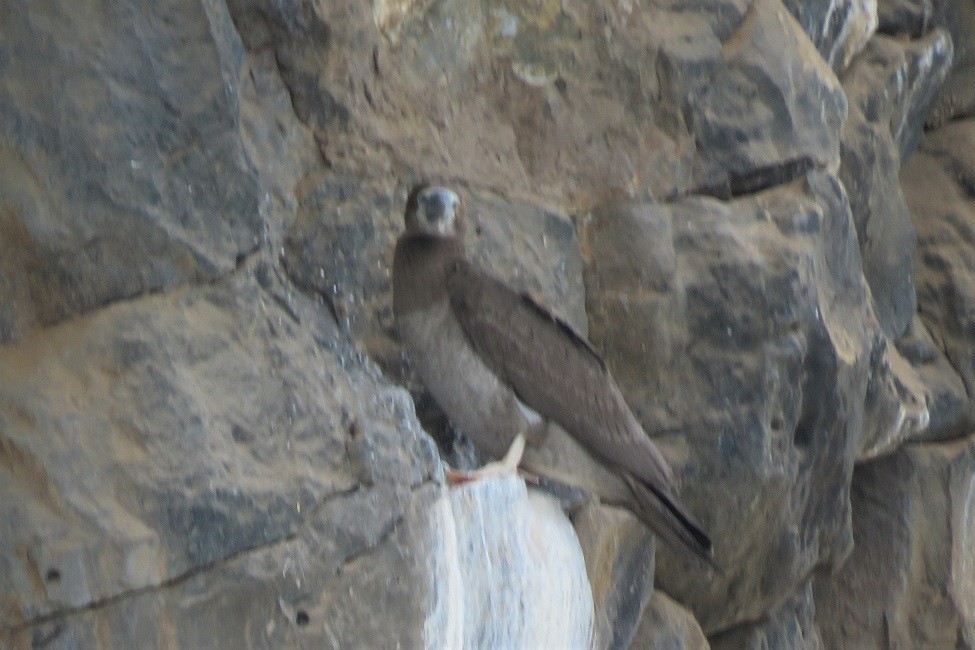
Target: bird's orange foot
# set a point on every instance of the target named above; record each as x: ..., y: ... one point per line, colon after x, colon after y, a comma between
x: 507, y: 465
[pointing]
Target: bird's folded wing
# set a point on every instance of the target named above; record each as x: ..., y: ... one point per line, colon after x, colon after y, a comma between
x: 551, y: 369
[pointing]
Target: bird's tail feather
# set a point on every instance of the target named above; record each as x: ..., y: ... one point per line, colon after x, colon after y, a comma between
x: 665, y: 516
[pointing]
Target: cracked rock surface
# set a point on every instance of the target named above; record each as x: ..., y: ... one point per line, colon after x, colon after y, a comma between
x: 761, y: 213
x: 108, y: 191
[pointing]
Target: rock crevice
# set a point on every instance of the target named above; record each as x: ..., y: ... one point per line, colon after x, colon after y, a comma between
x: 760, y: 213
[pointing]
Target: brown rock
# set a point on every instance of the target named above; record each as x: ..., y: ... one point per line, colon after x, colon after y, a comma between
x: 123, y: 171
x: 890, y: 87
x: 937, y: 181
x: 790, y: 625
x: 740, y: 340
x: 665, y: 625
x: 910, y: 581
x: 619, y: 553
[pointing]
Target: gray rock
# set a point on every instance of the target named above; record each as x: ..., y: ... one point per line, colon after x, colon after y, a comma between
x: 910, y: 581
x: 739, y: 334
x: 957, y: 97
x: 769, y: 109
x: 282, y: 147
x: 565, y: 103
x: 838, y: 28
x: 283, y: 595
x: 898, y: 403
x: 937, y: 182
x: 513, y: 106
x: 665, y: 625
x: 896, y: 83
x: 340, y: 247
x: 790, y: 625
x: 188, y: 474
x: 910, y: 17
x: 198, y: 202
x: 430, y: 579
x: 304, y: 513
x: 123, y: 169
x: 916, y: 396
x: 946, y: 397
x: 619, y: 553
x: 890, y: 88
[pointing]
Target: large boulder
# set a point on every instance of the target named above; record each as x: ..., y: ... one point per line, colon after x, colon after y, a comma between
x: 743, y: 345
x: 220, y: 450
x: 124, y: 169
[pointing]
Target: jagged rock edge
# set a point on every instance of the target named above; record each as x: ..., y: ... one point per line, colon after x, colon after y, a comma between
x: 197, y: 571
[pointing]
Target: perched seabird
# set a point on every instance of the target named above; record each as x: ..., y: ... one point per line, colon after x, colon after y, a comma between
x: 501, y: 366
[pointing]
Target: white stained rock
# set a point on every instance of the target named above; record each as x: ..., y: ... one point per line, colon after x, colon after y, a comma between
x: 512, y: 573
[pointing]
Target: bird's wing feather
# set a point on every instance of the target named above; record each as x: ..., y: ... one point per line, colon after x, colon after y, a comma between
x: 664, y: 514
x: 573, y: 336
x: 551, y: 369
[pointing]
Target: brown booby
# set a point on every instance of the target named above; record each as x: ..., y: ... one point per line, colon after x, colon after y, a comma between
x: 500, y: 366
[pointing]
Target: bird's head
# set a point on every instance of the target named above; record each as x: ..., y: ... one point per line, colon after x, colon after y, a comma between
x: 435, y: 211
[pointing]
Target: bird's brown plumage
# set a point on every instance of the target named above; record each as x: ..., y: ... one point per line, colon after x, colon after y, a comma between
x: 482, y: 347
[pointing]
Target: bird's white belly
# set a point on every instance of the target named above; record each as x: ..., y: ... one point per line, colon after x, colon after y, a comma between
x: 465, y: 388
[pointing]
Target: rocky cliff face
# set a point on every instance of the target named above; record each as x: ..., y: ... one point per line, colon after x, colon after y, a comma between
x: 761, y: 211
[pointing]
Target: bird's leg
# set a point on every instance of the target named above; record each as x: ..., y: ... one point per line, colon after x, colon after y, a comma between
x: 507, y: 465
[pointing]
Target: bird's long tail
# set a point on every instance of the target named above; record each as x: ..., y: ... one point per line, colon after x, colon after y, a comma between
x: 666, y: 517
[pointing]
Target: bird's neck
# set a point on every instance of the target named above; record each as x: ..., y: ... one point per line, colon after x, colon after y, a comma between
x: 420, y: 269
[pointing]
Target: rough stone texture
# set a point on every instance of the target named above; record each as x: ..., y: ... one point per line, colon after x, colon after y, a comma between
x: 838, y: 28
x: 437, y: 566
x: 504, y: 95
x: 890, y: 88
x: 736, y: 326
x: 118, y: 124
x: 187, y: 474
x: 567, y: 101
x: 769, y: 109
x: 790, y: 625
x: 937, y: 184
x: 619, y: 555
x: 944, y: 390
x: 198, y: 201
x: 915, y: 18
x: 288, y: 490
x: 904, y: 17
x: 898, y: 401
x: 957, y: 97
x: 665, y: 625
x: 911, y: 576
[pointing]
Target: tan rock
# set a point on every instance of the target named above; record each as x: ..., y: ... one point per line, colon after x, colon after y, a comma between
x: 910, y: 581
